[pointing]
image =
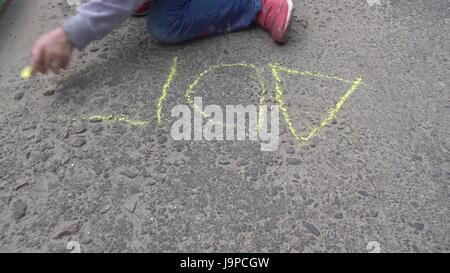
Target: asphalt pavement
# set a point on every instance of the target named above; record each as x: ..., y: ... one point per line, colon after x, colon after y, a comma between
x: 82, y: 157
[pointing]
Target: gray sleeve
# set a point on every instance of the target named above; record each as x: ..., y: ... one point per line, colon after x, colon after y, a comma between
x: 96, y: 18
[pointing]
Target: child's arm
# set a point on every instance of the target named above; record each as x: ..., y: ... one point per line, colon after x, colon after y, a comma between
x: 93, y: 21
x: 97, y: 18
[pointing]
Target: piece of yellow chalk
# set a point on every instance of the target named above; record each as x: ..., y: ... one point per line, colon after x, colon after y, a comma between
x: 26, y: 73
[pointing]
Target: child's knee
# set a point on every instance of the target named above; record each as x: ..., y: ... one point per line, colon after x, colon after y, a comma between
x: 163, y: 29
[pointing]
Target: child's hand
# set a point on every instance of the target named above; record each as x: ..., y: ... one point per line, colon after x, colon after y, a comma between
x: 52, y: 52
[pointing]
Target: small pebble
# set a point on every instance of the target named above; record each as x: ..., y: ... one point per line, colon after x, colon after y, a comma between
x: 78, y: 129
x: 363, y: 193
x: 419, y: 226
x: 290, y: 150
x: 339, y: 216
x: 66, y: 229
x: 79, y: 142
x: 294, y: 161
x: 130, y: 173
x: 19, y: 95
x: 19, y: 209
x: 162, y: 140
x: 312, y: 228
x: 103, y: 56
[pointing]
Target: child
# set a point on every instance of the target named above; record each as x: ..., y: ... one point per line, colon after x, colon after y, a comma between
x: 169, y: 21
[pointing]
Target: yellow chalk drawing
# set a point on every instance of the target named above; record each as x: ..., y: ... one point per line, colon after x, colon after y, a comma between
x: 99, y: 118
x: 26, y: 73
x: 276, y: 70
x: 279, y: 98
x: 305, y: 73
x: 188, y: 95
x: 159, y: 105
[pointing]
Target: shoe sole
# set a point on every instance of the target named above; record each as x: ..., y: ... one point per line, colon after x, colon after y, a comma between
x: 287, y: 29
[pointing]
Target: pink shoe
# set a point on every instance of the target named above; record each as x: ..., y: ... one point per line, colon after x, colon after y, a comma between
x: 143, y: 9
x: 276, y: 17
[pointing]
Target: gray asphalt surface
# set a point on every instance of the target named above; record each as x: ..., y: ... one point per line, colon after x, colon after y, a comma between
x: 380, y: 172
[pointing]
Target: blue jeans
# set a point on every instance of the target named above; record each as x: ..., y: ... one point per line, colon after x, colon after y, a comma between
x: 173, y: 21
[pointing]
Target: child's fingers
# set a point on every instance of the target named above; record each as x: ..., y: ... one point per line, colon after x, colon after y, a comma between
x: 66, y: 61
x: 38, y: 60
x: 54, y: 65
